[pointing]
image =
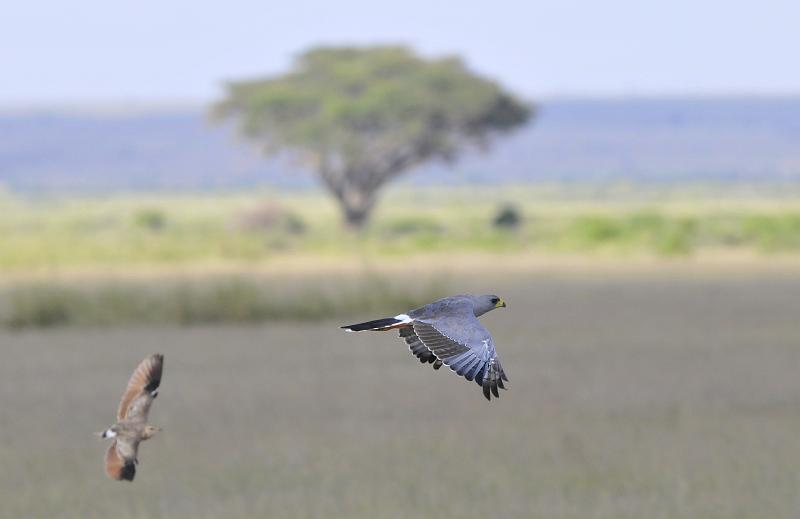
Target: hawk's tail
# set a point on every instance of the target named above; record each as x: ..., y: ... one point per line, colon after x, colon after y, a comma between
x: 380, y: 325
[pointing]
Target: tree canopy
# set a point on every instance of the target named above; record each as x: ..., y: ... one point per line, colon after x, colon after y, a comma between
x: 361, y: 116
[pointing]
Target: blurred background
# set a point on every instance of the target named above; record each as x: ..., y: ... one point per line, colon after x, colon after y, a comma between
x: 228, y: 184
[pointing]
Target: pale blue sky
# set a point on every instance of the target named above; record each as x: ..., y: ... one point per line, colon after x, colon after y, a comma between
x: 86, y: 51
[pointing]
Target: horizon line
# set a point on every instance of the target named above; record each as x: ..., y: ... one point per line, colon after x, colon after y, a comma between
x: 132, y: 106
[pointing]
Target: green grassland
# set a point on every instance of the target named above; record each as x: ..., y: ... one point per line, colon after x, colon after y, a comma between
x: 630, y: 397
x: 46, y: 233
x: 272, y: 256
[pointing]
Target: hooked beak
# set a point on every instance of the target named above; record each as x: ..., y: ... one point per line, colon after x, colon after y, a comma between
x: 500, y: 304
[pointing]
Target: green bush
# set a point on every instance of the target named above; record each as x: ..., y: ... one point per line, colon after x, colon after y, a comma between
x: 508, y: 217
x: 676, y: 239
x: 150, y: 219
x: 780, y: 232
x: 271, y: 217
x: 594, y: 230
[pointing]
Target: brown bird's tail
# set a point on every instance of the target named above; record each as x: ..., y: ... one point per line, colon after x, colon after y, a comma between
x: 118, y: 468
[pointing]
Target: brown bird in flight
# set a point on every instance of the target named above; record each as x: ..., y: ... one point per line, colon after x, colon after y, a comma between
x: 131, y: 427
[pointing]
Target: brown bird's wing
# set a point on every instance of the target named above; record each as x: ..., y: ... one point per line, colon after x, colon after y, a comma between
x: 121, y: 459
x: 141, y: 389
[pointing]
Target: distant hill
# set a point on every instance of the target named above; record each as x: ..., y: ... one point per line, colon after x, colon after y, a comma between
x: 640, y: 140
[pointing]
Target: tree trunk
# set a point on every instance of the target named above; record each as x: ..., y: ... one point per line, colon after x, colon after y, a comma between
x: 356, y: 217
x: 356, y: 193
x: 356, y: 204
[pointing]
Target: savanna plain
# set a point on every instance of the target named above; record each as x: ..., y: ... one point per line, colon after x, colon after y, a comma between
x: 631, y: 395
x: 650, y: 338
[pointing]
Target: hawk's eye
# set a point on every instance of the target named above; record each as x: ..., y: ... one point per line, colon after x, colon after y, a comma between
x: 495, y: 300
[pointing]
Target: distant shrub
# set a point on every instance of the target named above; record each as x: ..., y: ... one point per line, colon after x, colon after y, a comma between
x: 773, y: 233
x: 646, y: 222
x: 271, y: 216
x: 294, y: 224
x: 508, y: 217
x: 677, y: 239
x: 594, y: 230
x: 151, y: 219
x: 638, y: 231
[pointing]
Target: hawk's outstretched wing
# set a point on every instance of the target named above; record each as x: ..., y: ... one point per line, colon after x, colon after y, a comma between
x: 468, y: 349
x: 419, y: 350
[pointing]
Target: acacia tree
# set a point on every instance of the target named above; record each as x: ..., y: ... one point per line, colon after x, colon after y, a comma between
x: 359, y: 117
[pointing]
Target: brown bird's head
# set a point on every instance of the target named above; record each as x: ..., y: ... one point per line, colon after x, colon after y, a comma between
x: 150, y: 431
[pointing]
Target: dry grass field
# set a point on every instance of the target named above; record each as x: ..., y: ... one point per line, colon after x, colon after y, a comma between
x: 637, y: 396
